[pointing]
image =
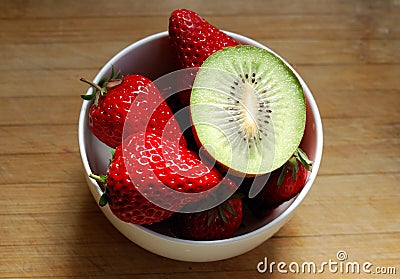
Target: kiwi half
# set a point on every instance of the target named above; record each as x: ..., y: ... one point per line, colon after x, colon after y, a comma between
x: 248, y: 109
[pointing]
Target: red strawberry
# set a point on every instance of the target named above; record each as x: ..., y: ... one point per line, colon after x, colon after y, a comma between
x: 216, y: 223
x: 193, y: 40
x: 125, y: 201
x: 112, y: 105
x: 283, y: 184
x: 145, y: 169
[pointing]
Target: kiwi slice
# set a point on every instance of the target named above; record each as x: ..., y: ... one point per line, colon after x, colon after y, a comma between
x: 248, y: 109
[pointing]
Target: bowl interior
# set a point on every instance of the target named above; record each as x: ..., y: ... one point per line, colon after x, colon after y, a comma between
x: 151, y: 57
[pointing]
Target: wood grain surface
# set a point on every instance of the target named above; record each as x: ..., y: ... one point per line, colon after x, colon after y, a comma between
x: 347, y: 51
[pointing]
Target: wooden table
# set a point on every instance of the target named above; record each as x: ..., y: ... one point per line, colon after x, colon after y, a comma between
x: 347, y: 51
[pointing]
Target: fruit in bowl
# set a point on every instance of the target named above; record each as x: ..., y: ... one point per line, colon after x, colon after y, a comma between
x: 182, y: 196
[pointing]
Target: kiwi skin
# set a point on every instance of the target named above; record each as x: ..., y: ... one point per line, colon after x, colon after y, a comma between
x: 286, y: 81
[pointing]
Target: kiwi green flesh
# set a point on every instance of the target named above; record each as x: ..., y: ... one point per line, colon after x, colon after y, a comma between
x: 248, y: 109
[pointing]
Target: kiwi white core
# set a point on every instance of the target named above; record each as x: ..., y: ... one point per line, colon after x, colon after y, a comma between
x: 248, y: 107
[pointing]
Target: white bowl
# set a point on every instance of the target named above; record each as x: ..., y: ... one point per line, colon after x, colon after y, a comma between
x: 151, y: 57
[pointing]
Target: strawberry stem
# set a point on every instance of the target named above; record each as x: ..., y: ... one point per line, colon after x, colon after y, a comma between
x: 102, y: 179
x: 105, y: 84
x: 98, y: 178
x: 98, y: 88
x: 97, y: 91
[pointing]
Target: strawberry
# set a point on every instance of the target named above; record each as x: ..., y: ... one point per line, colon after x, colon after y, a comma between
x: 283, y: 184
x: 125, y: 201
x: 113, y: 100
x: 216, y: 223
x: 193, y: 40
x: 143, y: 172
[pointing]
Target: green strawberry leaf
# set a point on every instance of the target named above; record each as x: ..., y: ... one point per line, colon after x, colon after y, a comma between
x: 103, y: 199
x: 227, y: 205
x: 295, y: 169
x: 88, y: 97
x: 112, y: 73
x: 112, y: 152
x: 102, y: 81
x: 222, y: 214
x: 303, y: 158
x: 237, y: 195
x: 282, y: 175
x: 210, y: 218
x: 118, y: 75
